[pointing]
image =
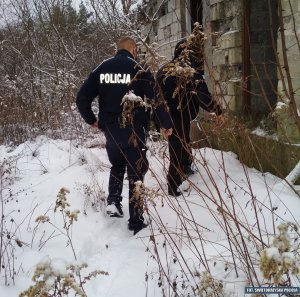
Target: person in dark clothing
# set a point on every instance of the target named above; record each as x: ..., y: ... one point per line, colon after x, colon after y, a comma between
x: 125, y: 139
x: 181, y: 83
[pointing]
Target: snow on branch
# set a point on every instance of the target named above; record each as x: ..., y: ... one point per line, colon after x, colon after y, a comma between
x: 130, y: 101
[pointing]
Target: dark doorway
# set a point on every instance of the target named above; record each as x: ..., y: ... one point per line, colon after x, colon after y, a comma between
x: 260, y: 61
x: 196, y: 12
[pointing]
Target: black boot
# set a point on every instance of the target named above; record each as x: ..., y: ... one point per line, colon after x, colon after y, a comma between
x: 188, y: 170
x: 173, y: 192
x: 136, y: 227
x: 114, y: 210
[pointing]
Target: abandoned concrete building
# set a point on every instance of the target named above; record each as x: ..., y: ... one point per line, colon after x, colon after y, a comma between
x: 244, y: 48
x: 252, y: 54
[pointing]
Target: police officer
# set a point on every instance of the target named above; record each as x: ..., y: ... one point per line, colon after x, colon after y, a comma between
x: 125, y: 144
x: 184, y: 91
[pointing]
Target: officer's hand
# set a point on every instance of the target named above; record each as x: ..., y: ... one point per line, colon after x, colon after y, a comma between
x: 94, y: 125
x: 167, y: 132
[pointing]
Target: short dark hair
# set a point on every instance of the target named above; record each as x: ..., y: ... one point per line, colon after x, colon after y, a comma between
x: 179, y: 47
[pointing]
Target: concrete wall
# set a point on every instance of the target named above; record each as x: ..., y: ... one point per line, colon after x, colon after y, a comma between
x: 222, y: 23
x: 169, y: 27
x: 293, y: 52
x: 225, y: 52
x: 287, y: 129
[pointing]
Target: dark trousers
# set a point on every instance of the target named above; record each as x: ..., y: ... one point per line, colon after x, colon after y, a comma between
x: 179, y: 150
x: 126, y: 151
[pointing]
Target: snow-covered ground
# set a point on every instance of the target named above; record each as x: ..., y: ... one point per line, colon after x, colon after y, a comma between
x: 186, y: 236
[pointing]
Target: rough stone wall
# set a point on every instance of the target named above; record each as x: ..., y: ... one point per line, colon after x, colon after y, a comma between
x: 287, y: 128
x: 293, y: 53
x: 222, y: 22
x: 169, y: 25
x: 225, y: 52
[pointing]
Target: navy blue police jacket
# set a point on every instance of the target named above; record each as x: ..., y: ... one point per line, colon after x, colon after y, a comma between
x: 110, y: 81
x: 185, y: 102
